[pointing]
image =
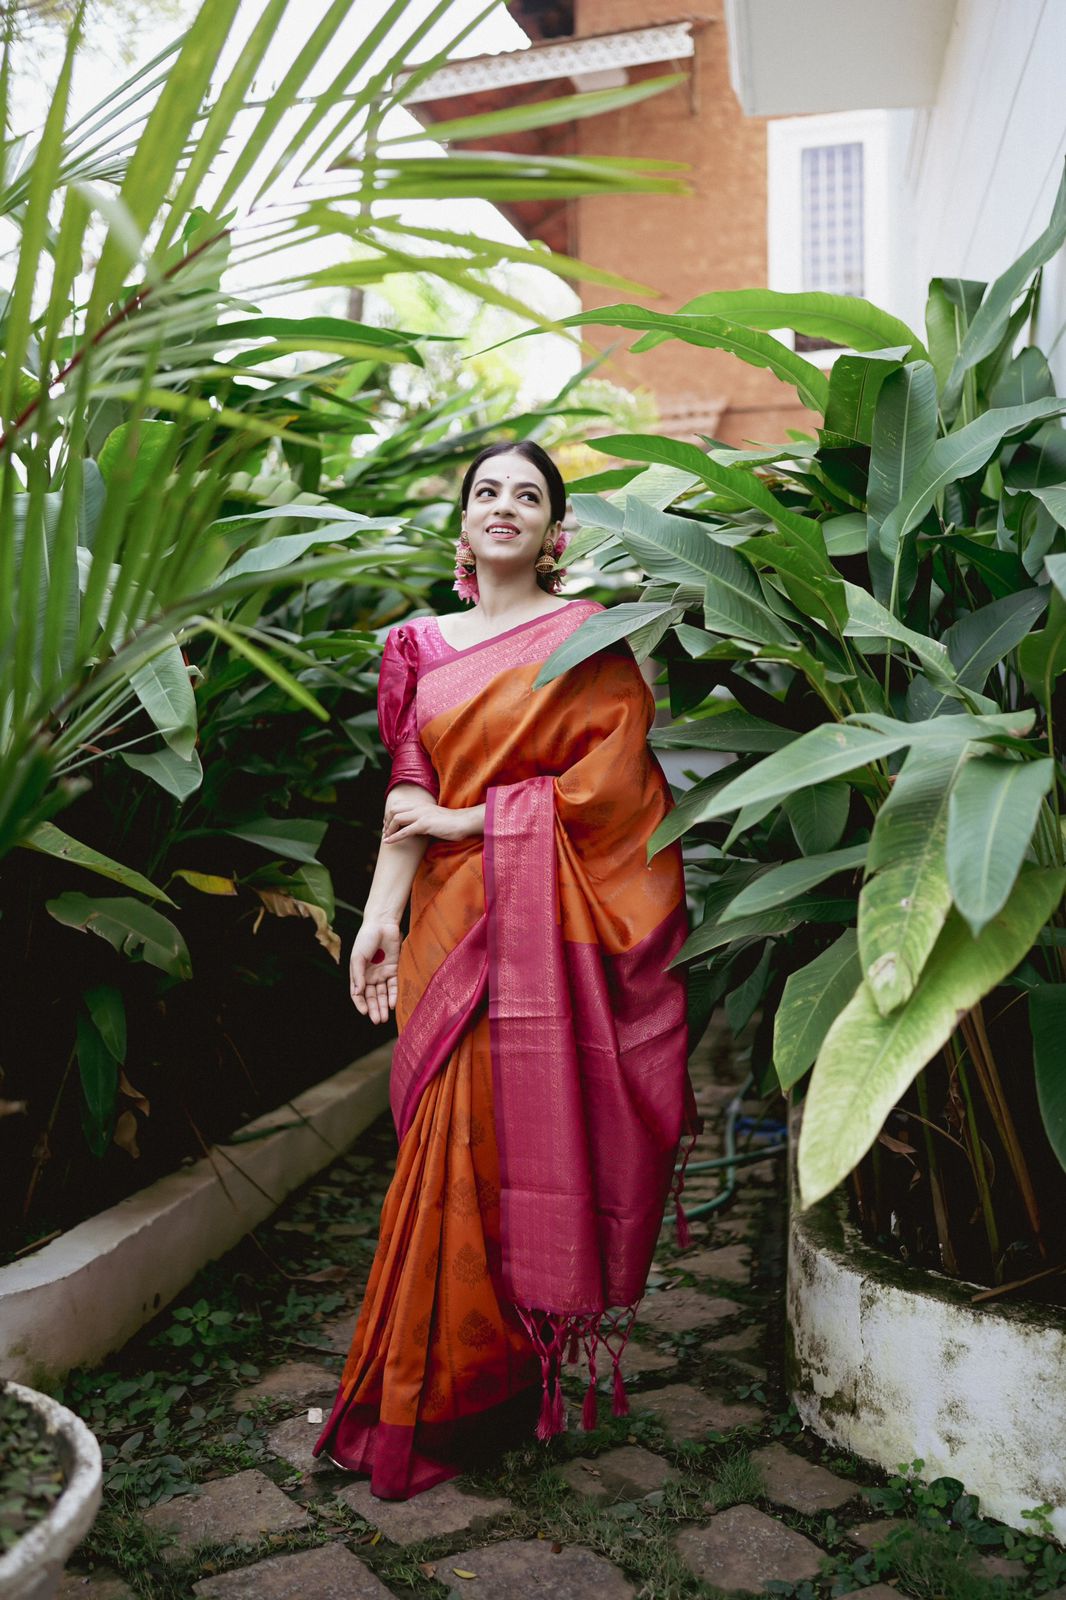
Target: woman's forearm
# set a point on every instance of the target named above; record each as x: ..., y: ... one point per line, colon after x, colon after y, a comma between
x: 394, y: 873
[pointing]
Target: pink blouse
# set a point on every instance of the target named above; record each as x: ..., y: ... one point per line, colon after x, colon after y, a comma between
x: 409, y: 650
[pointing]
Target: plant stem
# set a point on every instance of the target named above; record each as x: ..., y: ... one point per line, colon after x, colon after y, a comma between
x: 980, y: 1172
x: 973, y: 1029
x: 948, y: 1259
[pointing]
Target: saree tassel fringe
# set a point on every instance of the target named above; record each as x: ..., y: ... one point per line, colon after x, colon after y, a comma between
x: 620, y: 1406
x: 694, y: 1127
x: 558, y: 1334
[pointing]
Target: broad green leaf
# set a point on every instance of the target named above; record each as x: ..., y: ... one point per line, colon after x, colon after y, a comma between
x: 948, y: 311
x: 51, y: 841
x: 968, y: 725
x: 98, y: 1071
x: 732, y: 730
x: 1053, y: 496
x: 289, y: 547
x: 704, y: 646
x: 644, y: 641
x: 812, y: 1000
x: 178, y: 775
x: 825, y: 752
x: 904, y: 431
x: 854, y: 385
x: 134, y: 929
x: 978, y: 640
x: 713, y: 933
x: 845, y: 319
x: 1047, y: 1019
x: 989, y: 322
x: 868, y: 1061
x: 1056, y: 571
x: 991, y: 817
x: 684, y: 814
x: 736, y: 482
x: 818, y: 816
x: 683, y: 551
x: 956, y: 456
x: 134, y: 448
x: 845, y: 535
x: 163, y: 688
x: 783, y: 884
x: 108, y: 1011
x: 595, y: 633
x: 294, y: 838
x: 866, y: 618
x: 906, y: 898
x: 1042, y: 656
x: 719, y: 333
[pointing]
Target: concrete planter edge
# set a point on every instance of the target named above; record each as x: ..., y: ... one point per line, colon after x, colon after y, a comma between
x: 895, y: 1363
x: 32, y: 1568
x: 83, y: 1296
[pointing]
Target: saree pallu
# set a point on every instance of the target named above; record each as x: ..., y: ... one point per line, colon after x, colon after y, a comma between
x: 539, y: 1083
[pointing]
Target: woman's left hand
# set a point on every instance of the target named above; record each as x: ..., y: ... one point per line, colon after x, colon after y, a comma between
x: 409, y: 818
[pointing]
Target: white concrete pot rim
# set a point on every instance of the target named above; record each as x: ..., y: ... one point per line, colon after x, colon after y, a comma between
x: 71, y: 1516
x: 830, y: 1229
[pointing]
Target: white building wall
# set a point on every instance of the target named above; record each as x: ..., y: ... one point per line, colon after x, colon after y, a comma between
x: 985, y: 160
x: 958, y: 188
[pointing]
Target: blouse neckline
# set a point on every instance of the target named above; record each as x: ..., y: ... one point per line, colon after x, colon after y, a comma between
x: 506, y: 633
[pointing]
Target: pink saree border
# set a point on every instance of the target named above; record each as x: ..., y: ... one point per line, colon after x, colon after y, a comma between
x: 446, y: 684
x: 444, y: 1011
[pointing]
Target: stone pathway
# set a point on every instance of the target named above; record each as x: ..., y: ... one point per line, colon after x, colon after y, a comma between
x: 708, y: 1481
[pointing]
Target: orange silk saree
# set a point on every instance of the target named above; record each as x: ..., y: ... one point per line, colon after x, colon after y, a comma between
x: 539, y: 1082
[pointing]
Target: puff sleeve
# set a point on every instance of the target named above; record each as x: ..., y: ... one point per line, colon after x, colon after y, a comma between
x: 396, y: 713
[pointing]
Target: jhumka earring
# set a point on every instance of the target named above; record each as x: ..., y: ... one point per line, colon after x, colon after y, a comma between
x: 465, y: 585
x: 464, y: 556
x: 545, y: 562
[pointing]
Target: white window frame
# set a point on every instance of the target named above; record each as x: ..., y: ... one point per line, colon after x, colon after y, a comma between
x: 787, y: 138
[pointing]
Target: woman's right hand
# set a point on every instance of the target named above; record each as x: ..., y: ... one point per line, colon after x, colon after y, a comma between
x: 372, y: 970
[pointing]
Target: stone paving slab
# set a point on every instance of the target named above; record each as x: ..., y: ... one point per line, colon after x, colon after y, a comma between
x: 442, y: 1509
x: 744, y: 1342
x: 524, y: 1567
x: 682, y: 1310
x: 874, y: 1591
x: 628, y: 1473
x: 743, y: 1549
x: 292, y: 1441
x: 103, y: 1584
x: 729, y: 1263
x: 872, y: 1534
x: 1003, y: 1567
x: 792, y: 1480
x: 687, y: 1413
x: 636, y: 1360
x: 234, y: 1510
x: 329, y: 1572
x: 293, y: 1380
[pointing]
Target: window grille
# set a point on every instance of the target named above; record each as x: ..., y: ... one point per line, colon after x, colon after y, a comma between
x: 831, y: 179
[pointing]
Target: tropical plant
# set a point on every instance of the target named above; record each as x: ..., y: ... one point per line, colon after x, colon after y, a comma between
x: 873, y: 623
x: 176, y: 460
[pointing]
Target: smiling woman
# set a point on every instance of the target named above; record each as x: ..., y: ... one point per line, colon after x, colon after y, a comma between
x: 539, y: 1085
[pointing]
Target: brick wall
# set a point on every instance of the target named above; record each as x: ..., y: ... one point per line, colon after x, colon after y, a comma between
x: 713, y: 238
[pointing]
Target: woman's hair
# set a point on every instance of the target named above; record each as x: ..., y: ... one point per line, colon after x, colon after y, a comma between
x: 538, y: 458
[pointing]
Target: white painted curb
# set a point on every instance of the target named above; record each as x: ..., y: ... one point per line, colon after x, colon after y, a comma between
x: 894, y: 1363
x: 88, y: 1292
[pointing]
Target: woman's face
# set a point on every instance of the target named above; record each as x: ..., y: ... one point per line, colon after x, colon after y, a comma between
x: 508, y: 512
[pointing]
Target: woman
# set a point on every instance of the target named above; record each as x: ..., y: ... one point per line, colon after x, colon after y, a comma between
x: 539, y: 1084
